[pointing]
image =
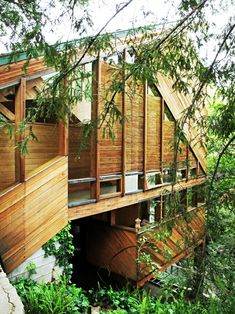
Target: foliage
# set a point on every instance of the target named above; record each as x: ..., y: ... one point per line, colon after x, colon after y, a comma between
x: 172, y: 52
x: 61, y: 297
x: 140, y: 301
x: 51, y: 298
x: 61, y: 246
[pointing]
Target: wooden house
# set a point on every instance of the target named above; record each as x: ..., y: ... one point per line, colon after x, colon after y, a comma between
x: 112, y: 183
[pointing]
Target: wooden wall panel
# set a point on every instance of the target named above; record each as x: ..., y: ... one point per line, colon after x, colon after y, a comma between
x: 153, y: 133
x: 113, y: 248
x: 134, y: 128
x: 7, y: 160
x: 192, y: 159
x: 185, y: 235
x: 44, y: 149
x: 168, y: 143
x: 33, y: 212
x: 10, y: 73
x: 110, y: 151
x: 79, y: 166
x: 182, y: 155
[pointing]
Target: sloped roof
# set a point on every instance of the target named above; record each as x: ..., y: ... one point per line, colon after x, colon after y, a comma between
x: 177, y: 103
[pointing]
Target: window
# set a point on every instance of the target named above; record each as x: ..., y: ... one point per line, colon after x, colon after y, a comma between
x: 192, y: 173
x: 167, y: 175
x: 153, y: 179
x: 110, y: 186
x: 181, y: 174
x: 192, y: 197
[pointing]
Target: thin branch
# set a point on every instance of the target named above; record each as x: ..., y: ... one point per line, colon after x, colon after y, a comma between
x: 63, y: 75
x: 217, y: 165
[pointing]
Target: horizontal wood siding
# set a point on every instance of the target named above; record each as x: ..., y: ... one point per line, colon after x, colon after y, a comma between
x: 153, y: 132
x: 110, y: 150
x: 79, y: 166
x: 185, y: 235
x: 168, y: 143
x: 134, y: 127
x: 10, y: 73
x: 44, y: 149
x: 33, y: 212
x: 7, y: 163
x: 113, y: 248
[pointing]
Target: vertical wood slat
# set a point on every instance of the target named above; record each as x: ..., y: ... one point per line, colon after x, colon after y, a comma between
x: 20, y: 104
x: 95, y: 149
x: 161, y: 134
x: 64, y: 134
x: 63, y: 138
x: 124, y: 129
x: 145, y: 133
x: 187, y: 161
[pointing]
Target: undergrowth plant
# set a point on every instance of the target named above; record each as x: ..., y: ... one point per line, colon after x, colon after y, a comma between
x: 61, y: 246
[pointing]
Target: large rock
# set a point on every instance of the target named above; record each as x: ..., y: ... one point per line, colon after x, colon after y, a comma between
x: 10, y: 302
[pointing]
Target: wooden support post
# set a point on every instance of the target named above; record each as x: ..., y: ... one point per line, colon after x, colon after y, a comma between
x: 161, y: 135
x: 112, y: 216
x: 145, y: 133
x: 197, y: 169
x: 187, y: 161
x: 95, y: 151
x: 63, y: 137
x: 161, y: 207
x: 64, y: 134
x: 20, y: 104
x: 123, y: 187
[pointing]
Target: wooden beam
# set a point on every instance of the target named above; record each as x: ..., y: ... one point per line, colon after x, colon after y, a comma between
x: 145, y: 134
x: 20, y: 104
x: 119, y: 202
x: 123, y: 187
x: 63, y: 137
x: 7, y: 113
x: 95, y: 149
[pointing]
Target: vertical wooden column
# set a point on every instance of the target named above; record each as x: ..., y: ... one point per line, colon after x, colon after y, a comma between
x: 63, y: 137
x: 95, y: 151
x: 124, y: 128
x: 187, y: 161
x: 161, y: 135
x: 197, y: 169
x: 145, y: 133
x: 64, y: 134
x: 20, y: 106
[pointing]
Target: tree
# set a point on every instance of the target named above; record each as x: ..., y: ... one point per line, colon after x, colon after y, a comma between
x: 171, y: 49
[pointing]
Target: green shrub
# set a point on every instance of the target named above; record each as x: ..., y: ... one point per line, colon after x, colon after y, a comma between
x: 57, y: 297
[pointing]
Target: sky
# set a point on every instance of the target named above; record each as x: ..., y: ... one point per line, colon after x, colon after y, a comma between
x: 138, y: 13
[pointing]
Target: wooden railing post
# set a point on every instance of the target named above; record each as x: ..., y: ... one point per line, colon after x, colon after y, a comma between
x: 95, y: 151
x: 161, y: 135
x: 145, y: 147
x: 20, y: 105
x: 63, y: 137
x: 124, y: 129
x: 64, y: 133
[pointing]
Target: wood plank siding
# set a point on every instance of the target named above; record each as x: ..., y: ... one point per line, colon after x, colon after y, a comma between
x: 32, y: 212
x: 41, y: 191
x: 120, y: 249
